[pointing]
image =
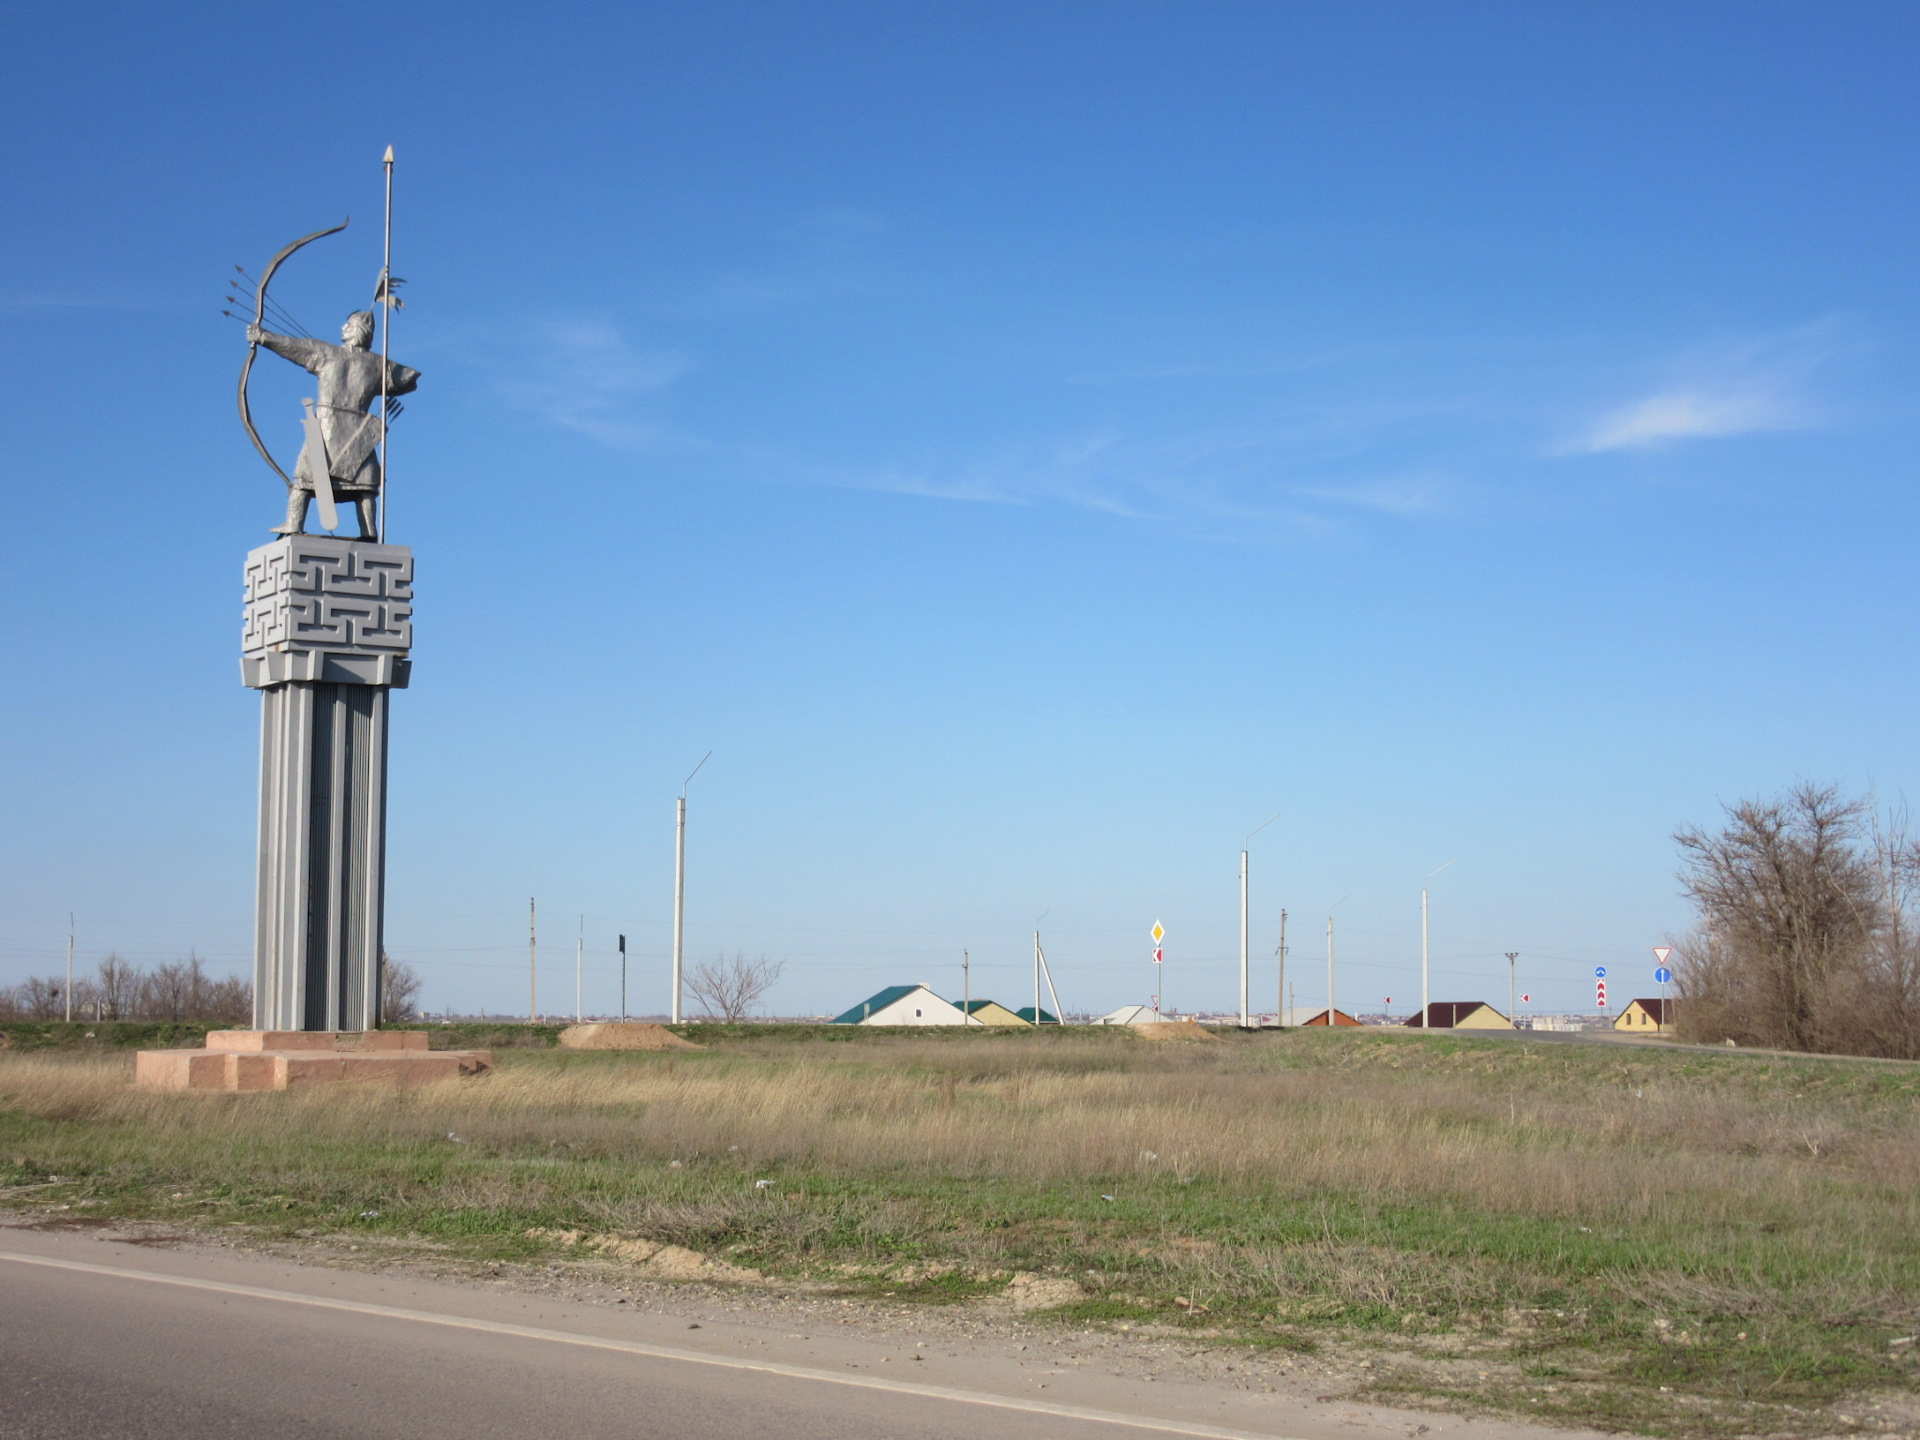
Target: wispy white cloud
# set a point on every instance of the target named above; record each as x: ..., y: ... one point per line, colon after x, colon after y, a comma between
x: 1748, y: 388
x: 1687, y: 414
x: 1231, y: 489
x: 583, y: 375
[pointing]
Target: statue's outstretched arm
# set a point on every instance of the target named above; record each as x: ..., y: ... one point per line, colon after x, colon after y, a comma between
x: 307, y: 354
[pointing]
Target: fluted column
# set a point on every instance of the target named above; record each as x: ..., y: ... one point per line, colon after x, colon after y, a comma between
x: 328, y: 625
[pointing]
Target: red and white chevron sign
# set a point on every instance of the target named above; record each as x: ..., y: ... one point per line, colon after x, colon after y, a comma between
x: 1600, y: 993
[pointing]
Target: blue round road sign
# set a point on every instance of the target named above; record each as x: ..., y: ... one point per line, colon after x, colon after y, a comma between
x: 1599, y: 972
x: 1662, y: 975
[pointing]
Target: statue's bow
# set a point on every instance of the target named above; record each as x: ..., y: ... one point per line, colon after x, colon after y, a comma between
x: 253, y: 347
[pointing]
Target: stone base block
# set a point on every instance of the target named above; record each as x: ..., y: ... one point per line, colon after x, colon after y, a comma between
x: 239, y: 1060
x: 332, y: 1041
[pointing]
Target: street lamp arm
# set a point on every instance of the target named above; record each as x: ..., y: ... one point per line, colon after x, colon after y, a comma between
x: 693, y: 772
x: 1258, y: 828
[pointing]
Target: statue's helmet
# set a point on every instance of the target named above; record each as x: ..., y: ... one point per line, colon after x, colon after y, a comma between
x: 359, y: 328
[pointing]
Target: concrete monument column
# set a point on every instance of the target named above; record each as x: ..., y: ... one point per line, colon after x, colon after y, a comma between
x: 328, y: 626
x: 329, y: 622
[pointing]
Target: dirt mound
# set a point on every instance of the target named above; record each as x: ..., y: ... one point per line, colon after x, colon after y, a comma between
x: 665, y: 1262
x: 625, y: 1035
x: 1027, y: 1291
x: 1173, y: 1030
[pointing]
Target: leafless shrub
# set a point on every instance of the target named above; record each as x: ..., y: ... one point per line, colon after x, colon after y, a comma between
x: 1806, y: 937
x: 41, y: 999
x: 731, y: 989
x: 399, y: 991
x: 116, y: 991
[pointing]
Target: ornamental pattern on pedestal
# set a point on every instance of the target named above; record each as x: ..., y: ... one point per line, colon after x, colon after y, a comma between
x: 312, y: 592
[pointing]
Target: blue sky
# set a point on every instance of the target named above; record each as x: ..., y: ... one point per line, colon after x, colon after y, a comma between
x: 1029, y: 445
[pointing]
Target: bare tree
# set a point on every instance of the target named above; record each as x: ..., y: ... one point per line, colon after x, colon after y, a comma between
x: 42, y: 999
x: 180, y: 991
x: 172, y: 991
x: 399, y: 991
x: 730, y: 989
x: 117, y: 988
x: 226, y: 1002
x: 1803, y: 940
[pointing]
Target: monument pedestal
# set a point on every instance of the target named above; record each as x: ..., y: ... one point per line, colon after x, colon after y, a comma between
x: 328, y: 625
x: 280, y: 1059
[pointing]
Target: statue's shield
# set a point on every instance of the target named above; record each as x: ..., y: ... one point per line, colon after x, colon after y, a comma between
x: 351, y: 437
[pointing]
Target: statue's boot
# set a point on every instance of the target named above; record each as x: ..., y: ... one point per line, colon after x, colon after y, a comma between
x: 364, y: 508
x: 297, y: 502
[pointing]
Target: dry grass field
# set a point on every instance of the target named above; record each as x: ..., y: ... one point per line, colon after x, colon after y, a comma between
x: 1668, y: 1241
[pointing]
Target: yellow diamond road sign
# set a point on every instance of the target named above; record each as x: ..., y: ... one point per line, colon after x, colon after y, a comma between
x: 1158, y: 933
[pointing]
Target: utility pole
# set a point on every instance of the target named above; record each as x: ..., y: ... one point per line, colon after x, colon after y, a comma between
x: 1426, y: 1000
x: 1046, y: 970
x: 1243, y: 939
x: 1280, y: 999
x: 623, y: 979
x: 1513, y: 990
x: 579, y: 967
x: 680, y: 880
x: 966, y: 986
x: 69, y: 967
x: 1036, y: 978
x: 1330, y: 1010
x: 533, y: 965
x: 1243, y: 916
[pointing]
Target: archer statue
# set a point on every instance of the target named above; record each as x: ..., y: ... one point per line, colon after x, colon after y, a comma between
x: 342, y: 454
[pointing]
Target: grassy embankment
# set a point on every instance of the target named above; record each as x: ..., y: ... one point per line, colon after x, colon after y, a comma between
x: 1669, y: 1241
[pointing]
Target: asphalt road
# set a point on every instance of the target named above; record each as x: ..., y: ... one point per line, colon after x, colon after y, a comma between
x: 167, y: 1337
x: 95, y: 1351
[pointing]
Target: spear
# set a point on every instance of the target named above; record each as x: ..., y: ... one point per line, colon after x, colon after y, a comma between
x: 386, y: 336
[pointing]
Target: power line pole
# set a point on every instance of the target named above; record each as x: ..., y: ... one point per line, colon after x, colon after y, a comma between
x: 69, y: 967
x: 1280, y: 997
x: 1059, y: 1011
x: 1243, y: 939
x: 966, y: 986
x: 679, y: 894
x: 533, y: 964
x: 1036, y: 977
x: 1330, y: 1011
x: 1243, y: 914
x: 623, y: 979
x: 1513, y: 990
x: 1426, y: 1002
x: 579, y: 967
x: 680, y: 881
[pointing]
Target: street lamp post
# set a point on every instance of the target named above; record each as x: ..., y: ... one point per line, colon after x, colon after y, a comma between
x: 1243, y: 915
x: 680, y: 880
x: 1426, y: 999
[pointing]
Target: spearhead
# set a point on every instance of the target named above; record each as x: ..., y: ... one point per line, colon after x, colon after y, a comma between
x: 388, y: 160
